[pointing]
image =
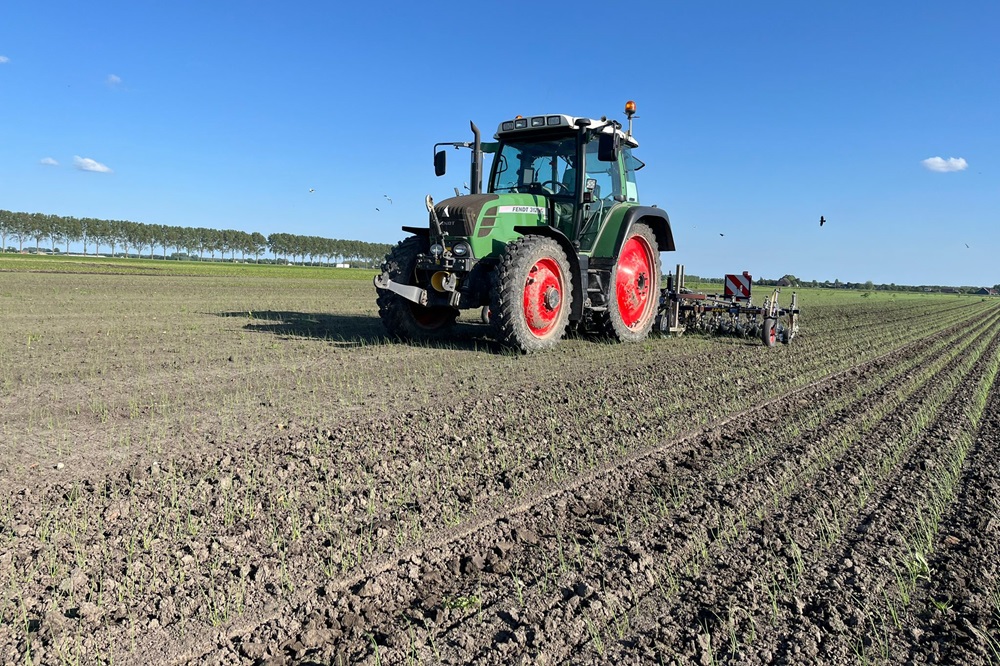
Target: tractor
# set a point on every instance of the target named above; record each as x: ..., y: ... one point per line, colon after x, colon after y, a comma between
x: 557, y: 240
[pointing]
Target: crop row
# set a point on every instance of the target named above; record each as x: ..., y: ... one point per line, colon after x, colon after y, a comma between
x: 727, y: 527
x: 545, y: 572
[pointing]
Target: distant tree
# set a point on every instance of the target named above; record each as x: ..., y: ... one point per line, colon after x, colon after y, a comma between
x: 162, y: 235
x: 6, y: 227
x: 38, y: 228
x: 57, y: 230
x: 258, y: 243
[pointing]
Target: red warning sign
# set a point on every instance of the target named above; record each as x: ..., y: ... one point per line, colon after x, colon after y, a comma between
x: 738, y: 286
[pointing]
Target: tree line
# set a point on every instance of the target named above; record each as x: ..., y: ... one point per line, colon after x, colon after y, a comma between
x: 145, y: 239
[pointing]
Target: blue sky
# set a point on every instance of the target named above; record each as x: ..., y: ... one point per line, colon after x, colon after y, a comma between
x: 753, y: 118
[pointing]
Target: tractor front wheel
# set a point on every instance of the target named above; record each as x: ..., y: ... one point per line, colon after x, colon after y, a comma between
x: 634, y: 292
x: 532, y: 292
x: 402, y: 318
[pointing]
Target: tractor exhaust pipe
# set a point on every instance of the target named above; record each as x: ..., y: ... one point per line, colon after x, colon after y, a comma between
x: 476, y: 173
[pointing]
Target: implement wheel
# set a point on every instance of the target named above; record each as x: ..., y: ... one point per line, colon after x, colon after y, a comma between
x: 769, y: 332
x: 531, y: 296
x: 404, y: 319
x: 634, y: 293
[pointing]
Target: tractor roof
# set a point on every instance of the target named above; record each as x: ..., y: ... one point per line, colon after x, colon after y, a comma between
x: 526, y: 125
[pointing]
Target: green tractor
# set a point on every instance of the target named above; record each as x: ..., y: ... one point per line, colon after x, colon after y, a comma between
x: 558, y: 239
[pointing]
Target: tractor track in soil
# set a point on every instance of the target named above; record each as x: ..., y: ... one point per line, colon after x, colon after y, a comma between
x: 458, y: 555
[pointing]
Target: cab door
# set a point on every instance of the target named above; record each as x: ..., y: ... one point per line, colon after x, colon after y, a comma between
x: 604, y: 182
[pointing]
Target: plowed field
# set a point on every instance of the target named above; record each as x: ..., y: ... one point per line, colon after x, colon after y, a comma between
x: 241, y: 470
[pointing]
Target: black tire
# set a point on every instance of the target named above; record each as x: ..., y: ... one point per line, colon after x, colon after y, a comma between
x: 404, y: 319
x: 631, y: 285
x: 769, y: 331
x: 532, y: 294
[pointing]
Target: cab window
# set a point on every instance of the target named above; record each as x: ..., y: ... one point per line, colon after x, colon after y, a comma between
x: 632, y: 164
x: 605, y: 175
x: 536, y: 167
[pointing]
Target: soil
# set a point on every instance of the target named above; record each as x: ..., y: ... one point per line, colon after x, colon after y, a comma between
x: 833, y: 501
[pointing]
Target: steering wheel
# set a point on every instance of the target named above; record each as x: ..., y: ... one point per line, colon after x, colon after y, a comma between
x: 556, y: 190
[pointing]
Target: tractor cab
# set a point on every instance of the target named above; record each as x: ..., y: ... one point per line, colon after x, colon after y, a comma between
x: 561, y: 159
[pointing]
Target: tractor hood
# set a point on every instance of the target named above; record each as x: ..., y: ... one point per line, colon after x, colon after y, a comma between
x: 480, y: 214
x: 458, y: 215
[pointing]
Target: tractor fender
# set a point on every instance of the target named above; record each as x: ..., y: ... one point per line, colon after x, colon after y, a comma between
x: 575, y: 267
x: 655, y: 218
x: 418, y: 231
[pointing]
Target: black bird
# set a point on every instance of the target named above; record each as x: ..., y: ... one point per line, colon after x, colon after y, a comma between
x: 822, y: 220
x: 722, y: 234
x: 967, y: 245
x: 376, y: 208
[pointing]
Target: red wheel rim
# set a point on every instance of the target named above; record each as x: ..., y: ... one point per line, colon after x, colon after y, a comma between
x: 634, y: 281
x: 543, y: 296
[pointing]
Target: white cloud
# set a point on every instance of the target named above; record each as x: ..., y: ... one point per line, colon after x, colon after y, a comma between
x: 113, y: 80
x: 942, y: 165
x: 48, y: 161
x: 4, y: 59
x: 87, y: 164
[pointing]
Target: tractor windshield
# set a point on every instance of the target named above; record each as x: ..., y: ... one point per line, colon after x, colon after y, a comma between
x: 536, y: 167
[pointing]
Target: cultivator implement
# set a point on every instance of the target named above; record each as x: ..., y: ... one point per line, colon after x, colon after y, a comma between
x: 731, y: 313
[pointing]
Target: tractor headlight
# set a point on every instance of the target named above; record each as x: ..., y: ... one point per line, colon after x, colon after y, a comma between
x: 437, y: 249
x: 460, y: 249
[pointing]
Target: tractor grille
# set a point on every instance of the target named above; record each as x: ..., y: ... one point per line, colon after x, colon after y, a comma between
x: 454, y: 221
x: 458, y: 215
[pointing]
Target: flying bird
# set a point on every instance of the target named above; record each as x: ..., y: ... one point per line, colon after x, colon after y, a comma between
x: 311, y: 189
x: 967, y: 245
x: 376, y: 208
x: 387, y: 197
x: 822, y: 220
x: 722, y: 234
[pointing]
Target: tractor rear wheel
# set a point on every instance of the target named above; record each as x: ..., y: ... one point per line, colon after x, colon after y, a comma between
x: 532, y: 292
x: 402, y: 318
x: 634, y: 292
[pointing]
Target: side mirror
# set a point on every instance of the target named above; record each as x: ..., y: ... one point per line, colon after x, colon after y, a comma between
x: 607, y: 147
x: 440, y: 159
